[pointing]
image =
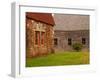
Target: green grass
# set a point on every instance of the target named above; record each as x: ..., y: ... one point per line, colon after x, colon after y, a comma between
x: 58, y: 59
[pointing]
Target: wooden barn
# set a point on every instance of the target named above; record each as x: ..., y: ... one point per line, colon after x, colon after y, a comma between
x: 39, y: 34
x: 70, y: 29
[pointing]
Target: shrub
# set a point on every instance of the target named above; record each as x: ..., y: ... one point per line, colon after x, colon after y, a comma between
x: 77, y: 46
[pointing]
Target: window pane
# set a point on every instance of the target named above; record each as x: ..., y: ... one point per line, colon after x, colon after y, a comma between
x: 37, y: 37
x: 69, y: 41
x: 55, y: 41
x: 42, y: 37
x: 83, y: 41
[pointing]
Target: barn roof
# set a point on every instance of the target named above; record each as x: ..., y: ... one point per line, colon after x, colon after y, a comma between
x: 70, y: 22
x: 42, y: 17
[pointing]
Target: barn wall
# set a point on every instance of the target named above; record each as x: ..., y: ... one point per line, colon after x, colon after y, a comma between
x: 76, y: 36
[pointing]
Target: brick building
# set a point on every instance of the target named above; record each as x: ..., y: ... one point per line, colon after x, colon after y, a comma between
x: 69, y: 29
x: 39, y: 34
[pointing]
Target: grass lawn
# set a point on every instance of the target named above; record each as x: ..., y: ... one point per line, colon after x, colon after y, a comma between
x: 58, y: 59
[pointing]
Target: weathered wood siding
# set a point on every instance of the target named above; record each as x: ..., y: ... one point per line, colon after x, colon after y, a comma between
x: 76, y: 36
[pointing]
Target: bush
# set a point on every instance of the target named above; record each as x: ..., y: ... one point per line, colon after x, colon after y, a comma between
x: 77, y: 46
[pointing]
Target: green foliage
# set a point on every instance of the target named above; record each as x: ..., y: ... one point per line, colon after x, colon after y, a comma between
x: 77, y: 46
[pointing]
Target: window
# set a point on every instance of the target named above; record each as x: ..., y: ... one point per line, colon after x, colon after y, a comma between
x: 83, y: 41
x: 39, y: 34
x: 37, y: 37
x: 55, y: 41
x: 69, y: 41
x: 42, y: 37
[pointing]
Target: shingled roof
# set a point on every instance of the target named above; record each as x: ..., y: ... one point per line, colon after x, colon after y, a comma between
x: 70, y: 22
x: 42, y: 17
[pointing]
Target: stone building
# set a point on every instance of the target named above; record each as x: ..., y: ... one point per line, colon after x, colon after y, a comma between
x: 39, y: 34
x: 70, y: 29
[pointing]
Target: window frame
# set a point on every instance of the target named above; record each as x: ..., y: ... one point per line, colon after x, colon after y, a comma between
x: 83, y: 41
x: 56, y: 42
x: 69, y: 41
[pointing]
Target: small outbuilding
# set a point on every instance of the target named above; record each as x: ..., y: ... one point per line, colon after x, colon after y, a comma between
x: 39, y: 34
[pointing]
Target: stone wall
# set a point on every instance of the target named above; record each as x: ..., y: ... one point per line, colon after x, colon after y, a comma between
x: 32, y: 49
x: 76, y: 36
